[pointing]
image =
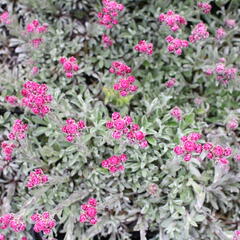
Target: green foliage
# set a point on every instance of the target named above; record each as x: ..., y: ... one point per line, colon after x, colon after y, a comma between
x: 195, y: 200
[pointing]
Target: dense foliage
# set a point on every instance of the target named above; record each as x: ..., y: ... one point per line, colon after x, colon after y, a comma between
x: 152, y: 192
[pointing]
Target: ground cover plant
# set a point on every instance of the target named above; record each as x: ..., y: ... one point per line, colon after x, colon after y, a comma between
x: 119, y: 120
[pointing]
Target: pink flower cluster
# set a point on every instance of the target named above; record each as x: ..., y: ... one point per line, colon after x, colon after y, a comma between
x: 69, y: 65
x: 231, y: 23
x: 205, y: 7
x: 43, y: 222
x: 72, y: 129
x: 198, y: 33
x: 176, y: 45
x: 126, y: 127
x: 119, y: 68
x: 11, y: 100
x: 220, y: 33
x: 2, y: 237
x: 170, y: 83
x: 176, y: 113
x: 115, y: 163
x: 217, y: 152
x: 7, y: 150
x: 35, y: 28
x: 125, y: 86
x: 37, y: 177
x: 236, y: 235
x: 18, y: 130
x: 190, y: 146
x: 107, y: 41
x: 173, y: 20
x: 35, y: 97
x: 232, y: 124
x: 9, y: 220
x: 224, y: 74
x: 90, y: 212
x: 144, y: 47
x: 108, y: 16
x: 4, y: 18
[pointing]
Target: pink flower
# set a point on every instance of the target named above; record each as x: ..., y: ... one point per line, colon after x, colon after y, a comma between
x: 35, y: 97
x: 115, y: 163
x: 170, y: 83
x: 119, y: 68
x: 7, y: 150
x: 90, y: 212
x: 12, y: 221
x: 176, y: 112
x: 125, y: 127
x: 175, y: 45
x: 12, y: 100
x: 232, y: 124
x: 199, y: 33
x: 174, y: 21
x: 231, y: 23
x: 144, y: 47
x: 108, y: 16
x: 187, y: 157
x: 37, y: 177
x: 4, y: 18
x: 43, y: 222
x: 218, y: 151
x: 178, y: 150
x: 69, y: 66
x: 205, y: 7
x: 236, y: 235
x: 73, y: 129
x: 2, y: 237
x: 106, y: 40
x: 220, y: 33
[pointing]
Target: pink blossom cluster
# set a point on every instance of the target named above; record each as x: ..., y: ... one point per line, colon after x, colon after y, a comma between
x: 125, y: 127
x: 2, y: 237
x: 189, y: 146
x: 220, y: 34
x: 115, y: 163
x: 119, y: 68
x: 236, y: 235
x: 18, y: 130
x: 171, y: 83
x: 7, y: 150
x: 35, y: 70
x: 43, y: 222
x: 205, y: 7
x: 225, y: 74
x: 12, y: 221
x: 198, y: 33
x: 73, y: 128
x: 144, y: 47
x: 11, y: 100
x: 69, y: 65
x: 125, y: 86
x: 35, y: 28
x: 37, y: 177
x: 231, y: 23
x: 90, y: 211
x: 232, y: 124
x: 176, y: 113
x: 36, y: 98
x: 108, y: 16
x: 217, y: 152
x: 173, y: 20
x: 175, y: 45
x: 107, y: 41
x: 4, y: 18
